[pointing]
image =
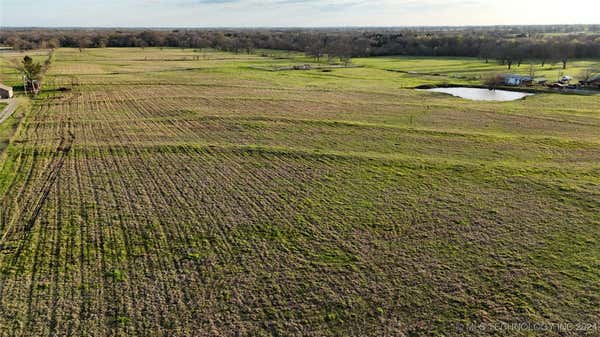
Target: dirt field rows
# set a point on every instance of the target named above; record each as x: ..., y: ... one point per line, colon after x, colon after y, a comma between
x: 156, y: 201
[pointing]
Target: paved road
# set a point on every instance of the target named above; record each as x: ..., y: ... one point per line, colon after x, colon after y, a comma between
x: 9, y: 110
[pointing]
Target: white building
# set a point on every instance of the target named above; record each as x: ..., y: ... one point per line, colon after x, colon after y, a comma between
x: 5, y: 91
x: 512, y: 79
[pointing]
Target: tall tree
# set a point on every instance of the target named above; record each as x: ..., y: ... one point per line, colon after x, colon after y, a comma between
x: 565, y: 50
x: 316, y: 47
x: 32, y: 70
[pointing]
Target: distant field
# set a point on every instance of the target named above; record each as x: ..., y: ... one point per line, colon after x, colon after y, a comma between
x: 183, y: 193
x: 470, y: 69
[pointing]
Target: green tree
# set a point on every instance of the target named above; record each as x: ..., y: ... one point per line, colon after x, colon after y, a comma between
x: 32, y: 70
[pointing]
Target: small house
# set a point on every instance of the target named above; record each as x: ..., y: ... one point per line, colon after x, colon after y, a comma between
x: 515, y: 80
x: 5, y: 91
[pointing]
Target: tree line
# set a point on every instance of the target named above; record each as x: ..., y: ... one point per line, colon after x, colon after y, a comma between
x: 509, y: 45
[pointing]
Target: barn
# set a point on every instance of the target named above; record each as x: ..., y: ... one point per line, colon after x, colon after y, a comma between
x: 5, y: 91
x: 512, y: 79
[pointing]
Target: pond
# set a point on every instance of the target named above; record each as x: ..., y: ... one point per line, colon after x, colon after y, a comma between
x: 476, y: 94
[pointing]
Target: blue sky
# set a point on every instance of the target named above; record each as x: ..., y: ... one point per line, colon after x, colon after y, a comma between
x: 294, y: 13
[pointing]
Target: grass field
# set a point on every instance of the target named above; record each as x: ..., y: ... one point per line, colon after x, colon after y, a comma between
x: 472, y: 70
x: 167, y: 196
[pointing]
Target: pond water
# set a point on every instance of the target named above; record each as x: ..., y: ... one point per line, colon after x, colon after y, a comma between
x: 476, y: 94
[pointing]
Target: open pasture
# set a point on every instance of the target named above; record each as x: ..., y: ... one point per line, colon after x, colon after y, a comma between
x: 182, y: 193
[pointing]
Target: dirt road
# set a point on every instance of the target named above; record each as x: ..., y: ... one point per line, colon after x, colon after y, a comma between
x: 9, y: 110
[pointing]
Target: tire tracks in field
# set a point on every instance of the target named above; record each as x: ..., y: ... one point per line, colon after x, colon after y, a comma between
x: 26, y: 220
x: 53, y: 169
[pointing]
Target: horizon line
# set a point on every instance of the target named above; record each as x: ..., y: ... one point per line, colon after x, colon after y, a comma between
x: 303, y: 27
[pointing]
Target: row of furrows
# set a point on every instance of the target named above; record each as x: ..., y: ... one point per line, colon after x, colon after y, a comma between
x: 133, y: 105
x: 134, y: 241
x: 341, y: 138
x: 176, y: 216
x: 154, y: 213
x: 32, y: 201
x: 30, y: 320
x: 129, y: 187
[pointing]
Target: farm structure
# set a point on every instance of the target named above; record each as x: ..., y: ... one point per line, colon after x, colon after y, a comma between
x: 516, y: 80
x: 5, y: 91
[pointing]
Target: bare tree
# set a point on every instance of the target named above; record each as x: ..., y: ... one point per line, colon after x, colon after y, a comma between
x: 316, y: 47
x: 84, y: 42
x: 532, y: 71
x: 341, y: 48
x: 565, y: 50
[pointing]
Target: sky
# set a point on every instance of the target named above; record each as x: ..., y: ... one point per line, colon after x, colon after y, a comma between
x: 294, y: 13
